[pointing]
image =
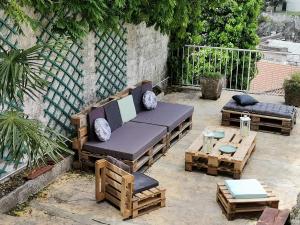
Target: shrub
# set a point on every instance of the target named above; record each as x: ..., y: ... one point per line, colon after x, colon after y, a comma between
x: 292, y: 90
x: 212, y: 75
x: 293, y: 84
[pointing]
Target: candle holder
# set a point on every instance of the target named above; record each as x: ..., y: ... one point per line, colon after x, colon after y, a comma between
x: 208, y: 138
x: 245, y: 122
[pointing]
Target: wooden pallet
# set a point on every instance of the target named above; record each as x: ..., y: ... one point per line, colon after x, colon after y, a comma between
x: 179, y: 132
x: 216, y: 162
x: 116, y: 186
x: 271, y: 216
x: 148, y: 201
x: 140, y: 164
x: 260, y: 122
x: 232, y: 207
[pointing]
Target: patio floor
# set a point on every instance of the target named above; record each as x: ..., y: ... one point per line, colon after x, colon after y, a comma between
x: 191, y: 196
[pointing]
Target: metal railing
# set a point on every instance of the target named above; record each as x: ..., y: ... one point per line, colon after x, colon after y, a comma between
x: 253, y: 71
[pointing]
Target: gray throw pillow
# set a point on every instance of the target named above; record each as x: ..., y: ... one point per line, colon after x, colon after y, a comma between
x: 102, y: 129
x: 149, y: 100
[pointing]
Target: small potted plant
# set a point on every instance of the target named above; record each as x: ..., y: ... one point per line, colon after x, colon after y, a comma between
x: 211, y: 85
x: 292, y: 90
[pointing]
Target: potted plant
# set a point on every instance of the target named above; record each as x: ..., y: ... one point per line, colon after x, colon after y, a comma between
x: 23, y: 74
x: 211, y: 85
x: 292, y: 90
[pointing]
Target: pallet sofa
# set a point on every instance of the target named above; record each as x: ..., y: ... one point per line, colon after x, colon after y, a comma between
x: 134, y: 194
x: 138, y: 142
x: 264, y: 116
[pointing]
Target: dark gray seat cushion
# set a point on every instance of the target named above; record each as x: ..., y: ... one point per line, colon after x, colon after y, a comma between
x: 129, y: 141
x: 261, y: 108
x: 143, y: 182
x: 165, y: 114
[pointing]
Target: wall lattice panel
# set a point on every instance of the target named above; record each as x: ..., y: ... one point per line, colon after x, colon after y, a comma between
x: 111, y: 61
x: 64, y: 95
x: 8, y: 40
x: 8, y: 33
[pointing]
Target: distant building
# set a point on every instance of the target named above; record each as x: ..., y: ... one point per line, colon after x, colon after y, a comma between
x: 293, y: 5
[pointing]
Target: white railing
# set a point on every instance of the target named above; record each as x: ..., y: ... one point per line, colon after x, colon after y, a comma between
x: 254, y: 71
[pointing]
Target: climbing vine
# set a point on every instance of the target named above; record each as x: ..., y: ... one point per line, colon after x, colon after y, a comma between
x: 225, y: 23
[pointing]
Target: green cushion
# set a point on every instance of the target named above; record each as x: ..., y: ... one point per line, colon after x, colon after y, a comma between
x: 127, y: 109
x: 246, y: 189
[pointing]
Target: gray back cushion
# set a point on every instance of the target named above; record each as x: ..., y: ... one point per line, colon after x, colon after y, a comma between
x: 137, y: 95
x: 113, y: 115
x: 91, y: 117
x: 118, y: 163
x: 137, y: 98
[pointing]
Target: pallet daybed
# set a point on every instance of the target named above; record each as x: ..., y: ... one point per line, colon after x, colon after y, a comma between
x: 139, y: 142
x: 135, y: 194
x: 264, y: 116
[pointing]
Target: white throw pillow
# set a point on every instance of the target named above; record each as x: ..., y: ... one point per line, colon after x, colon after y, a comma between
x: 149, y: 100
x: 102, y: 129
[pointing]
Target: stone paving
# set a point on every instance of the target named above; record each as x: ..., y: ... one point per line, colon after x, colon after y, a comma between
x: 191, y: 196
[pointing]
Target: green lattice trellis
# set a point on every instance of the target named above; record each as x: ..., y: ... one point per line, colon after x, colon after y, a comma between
x: 8, y: 40
x: 64, y: 95
x: 8, y: 32
x: 111, y: 61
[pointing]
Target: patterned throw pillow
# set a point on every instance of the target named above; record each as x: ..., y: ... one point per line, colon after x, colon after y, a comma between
x: 102, y: 129
x: 149, y: 100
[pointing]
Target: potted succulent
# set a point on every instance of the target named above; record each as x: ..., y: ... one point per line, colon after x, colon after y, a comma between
x: 211, y: 85
x: 292, y: 90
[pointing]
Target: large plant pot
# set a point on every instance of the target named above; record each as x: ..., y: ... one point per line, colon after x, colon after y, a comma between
x: 211, y: 88
x: 292, y: 96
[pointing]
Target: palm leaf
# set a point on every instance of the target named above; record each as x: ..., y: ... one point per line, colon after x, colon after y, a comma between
x: 22, y: 137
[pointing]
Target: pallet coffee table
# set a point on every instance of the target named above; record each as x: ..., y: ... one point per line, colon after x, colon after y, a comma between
x: 215, y: 161
x: 231, y: 206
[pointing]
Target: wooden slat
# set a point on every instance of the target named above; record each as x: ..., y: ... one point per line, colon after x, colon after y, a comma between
x: 257, y: 115
x: 244, y: 147
x: 112, y: 199
x: 114, y: 176
x: 116, y: 169
x: 113, y: 183
x: 113, y: 191
x: 83, y: 131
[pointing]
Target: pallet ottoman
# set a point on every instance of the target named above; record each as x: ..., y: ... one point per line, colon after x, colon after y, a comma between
x: 243, y: 202
x: 264, y: 116
x: 134, y: 194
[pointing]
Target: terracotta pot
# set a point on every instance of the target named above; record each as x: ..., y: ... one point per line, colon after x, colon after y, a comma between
x: 211, y: 88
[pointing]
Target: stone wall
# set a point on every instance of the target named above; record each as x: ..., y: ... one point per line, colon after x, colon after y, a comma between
x: 278, y: 23
x: 147, y: 51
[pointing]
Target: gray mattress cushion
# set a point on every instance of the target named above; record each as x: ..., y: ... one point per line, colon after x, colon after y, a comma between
x: 166, y: 114
x: 129, y: 141
x: 143, y: 182
x: 261, y: 108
